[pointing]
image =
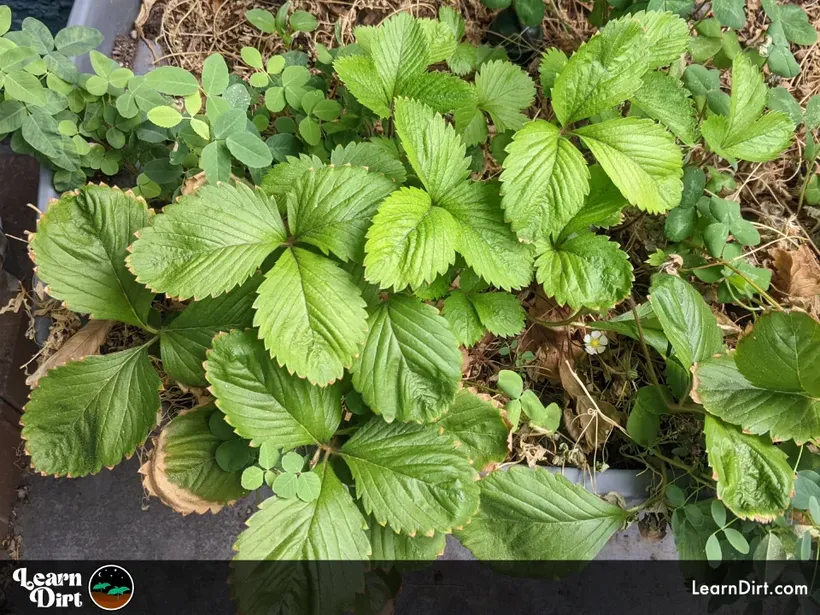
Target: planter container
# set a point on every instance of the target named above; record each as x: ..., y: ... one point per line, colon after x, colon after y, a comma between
x: 114, y: 17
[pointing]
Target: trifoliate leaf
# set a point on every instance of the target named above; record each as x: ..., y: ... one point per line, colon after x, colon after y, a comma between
x: 184, y: 341
x: 331, y: 208
x: 410, y: 242
x: 663, y: 98
x: 80, y: 249
x: 411, y: 477
x: 725, y: 392
x: 477, y: 428
x: 604, y: 72
x: 410, y: 366
x: 503, y: 90
x: 564, y: 521
x: 641, y: 158
x: 182, y: 470
x: 745, y: 134
x: 667, y: 36
x: 433, y: 148
x: 263, y: 402
x: 485, y: 240
x: 585, y: 271
x: 207, y: 243
x: 311, y: 316
x: 754, y: 479
x: 110, y: 410
x: 687, y: 321
x: 328, y: 528
x: 782, y: 352
x: 545, y: 181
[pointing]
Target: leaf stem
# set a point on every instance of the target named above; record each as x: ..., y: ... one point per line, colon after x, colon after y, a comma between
x: 557, y: 323
x: 682, y: 466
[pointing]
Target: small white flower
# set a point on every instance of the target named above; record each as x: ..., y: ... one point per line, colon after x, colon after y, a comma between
x: 595, y: 342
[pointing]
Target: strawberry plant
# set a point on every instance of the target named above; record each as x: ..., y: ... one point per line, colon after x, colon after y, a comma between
x: 345, y: 245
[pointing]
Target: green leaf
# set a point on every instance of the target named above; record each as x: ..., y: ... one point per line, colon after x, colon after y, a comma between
x: 510, y: 383
x: 12, y: 114
x: 663, y: 98
x: 433, y: 148
x: 215, y: 78
x: 80, y: 250
x: 311, y: 315
x: 604, y: 72
x: 644, y: 422
x: 796, y: 24
x: 5, y: 19
x: 249, y: 149
x: 780, y: 99
x: 112, y: 407
x: 503, y: 90
x: 172, y: 80
x: 585, y: 271
x: 687, y: 320
x: 215, y: 160
x: 25, y: 87
x: 229, y: 122
x: 713, y: 551
x: 730, y: 13
x: 718, y: 511
x: 754, y: 479
x: 411, y: 477
x: 262, y: 19
x: 667, y: 36
x: 745, y: 134
x: 536, y: 515
x: 485, y: 240
x: 332, y: 207
x: 253, y: 477
x: 530, y: 12
x: 268, y: 454
x: 263, y: 402
x: 39, y: 34
x: 463, y: 319
x: 727, y: 394
x: 360, y: 77
x: 500, y: 313
x: 293, y: 463
x: 165, y: 117
x: 185, y: 340
x: 77, y: 40
x: 410, y: 242
x: 782, y: 353
x: 252, y: 57
x: 233, y: 455
x: 370, y: 156
x: 410, y: 366
x: 602, y: 207
x: 399, y: 52
x: 477, y: 429
x: 207, y: 243
x: 641, y: 158
x: 328, y: 528
x: 545, y: 181
x: 552, y: 63
x: 284, y: 486
x: 389, y: 548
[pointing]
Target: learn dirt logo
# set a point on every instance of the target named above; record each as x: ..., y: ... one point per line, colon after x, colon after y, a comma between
x: 111, y: 587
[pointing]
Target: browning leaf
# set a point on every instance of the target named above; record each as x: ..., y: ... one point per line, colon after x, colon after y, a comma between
x: 85, y: 342
x: 797, y: 276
